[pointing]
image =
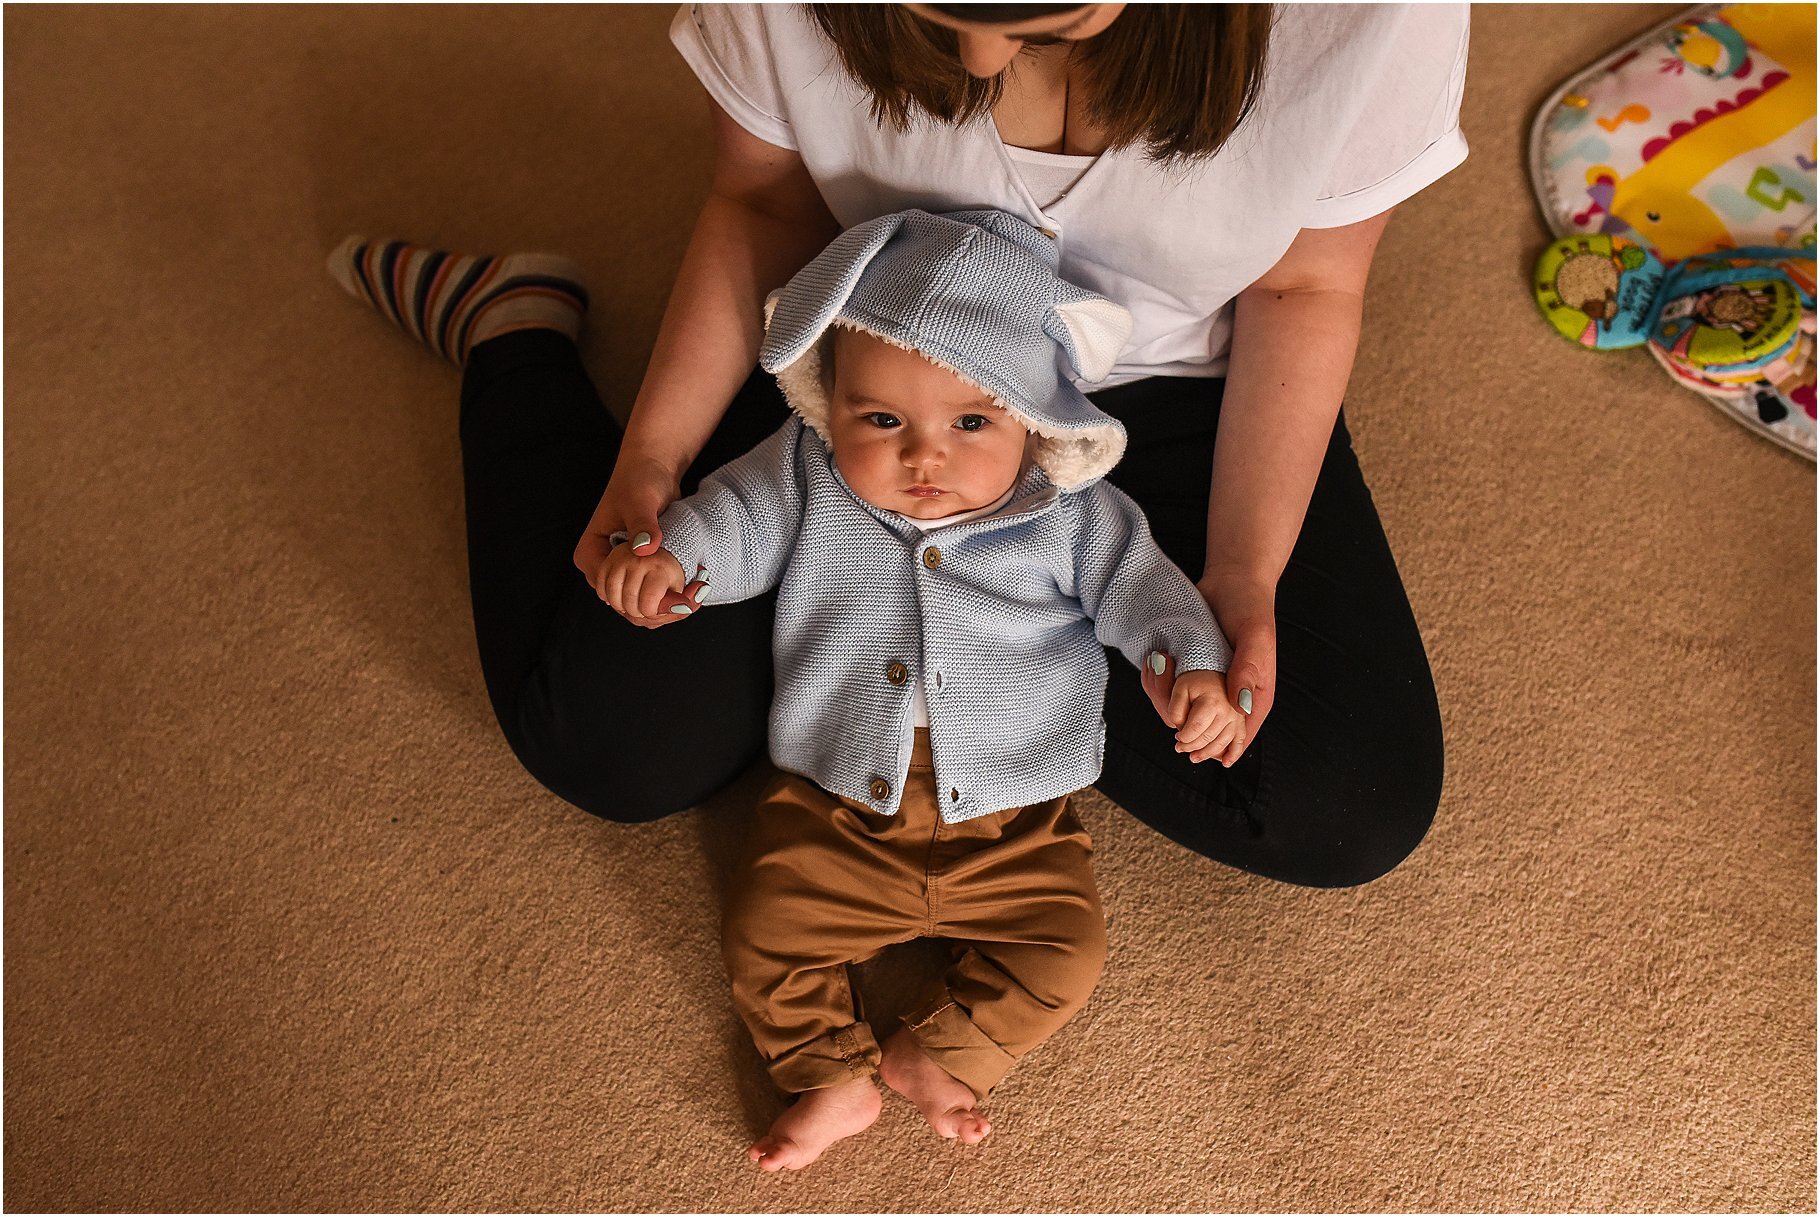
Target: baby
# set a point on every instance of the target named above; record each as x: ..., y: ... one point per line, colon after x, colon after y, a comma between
x: 949, y: 563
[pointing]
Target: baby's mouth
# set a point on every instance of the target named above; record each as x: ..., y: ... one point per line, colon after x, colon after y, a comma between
x: 925, y: 492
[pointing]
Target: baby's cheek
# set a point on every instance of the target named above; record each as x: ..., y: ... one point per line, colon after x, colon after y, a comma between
x: 863, y: 466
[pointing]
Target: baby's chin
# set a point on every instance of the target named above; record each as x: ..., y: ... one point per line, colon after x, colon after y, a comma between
x: 918, y: 508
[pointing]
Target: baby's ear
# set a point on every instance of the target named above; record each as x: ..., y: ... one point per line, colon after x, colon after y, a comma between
x: 801, y: 311
x: 1092, y: 329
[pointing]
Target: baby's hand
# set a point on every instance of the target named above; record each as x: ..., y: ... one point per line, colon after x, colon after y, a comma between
x: 1206, y: 723
x: 638, y: 586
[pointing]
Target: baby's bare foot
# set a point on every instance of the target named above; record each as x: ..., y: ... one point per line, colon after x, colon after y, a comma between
x: 943, y: 1099
x: 815, y: 1121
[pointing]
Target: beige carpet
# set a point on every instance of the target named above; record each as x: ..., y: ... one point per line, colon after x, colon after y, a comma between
x: 287, y: 927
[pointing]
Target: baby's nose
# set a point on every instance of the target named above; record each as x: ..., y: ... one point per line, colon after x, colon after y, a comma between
x: 921, y: 452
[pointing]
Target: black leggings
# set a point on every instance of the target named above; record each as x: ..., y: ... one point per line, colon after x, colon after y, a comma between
x: 631, y: 724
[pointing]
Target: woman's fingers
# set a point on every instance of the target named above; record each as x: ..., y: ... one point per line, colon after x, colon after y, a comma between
x: 676, y: 606
x: 1158, y: 678
x: 644, y: 536
x: 591, y: 554
x: 1252, y: 687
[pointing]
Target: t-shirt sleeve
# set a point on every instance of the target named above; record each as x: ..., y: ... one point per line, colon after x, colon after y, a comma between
x: 727, y: 48
x: 1407, y: 132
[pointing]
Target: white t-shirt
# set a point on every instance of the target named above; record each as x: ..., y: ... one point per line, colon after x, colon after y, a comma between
x: 1359, y: 110
x: 1049, y: 176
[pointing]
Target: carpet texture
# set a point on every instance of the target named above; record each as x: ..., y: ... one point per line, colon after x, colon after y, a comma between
x: 287, y: 927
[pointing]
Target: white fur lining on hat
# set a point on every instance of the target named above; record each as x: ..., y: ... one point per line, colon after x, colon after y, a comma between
x: 1069, y: 458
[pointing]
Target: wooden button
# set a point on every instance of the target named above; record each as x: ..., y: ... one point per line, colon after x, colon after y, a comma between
x: 932, y: 557
x: 897, y: 673
x: 881, y: 789
x: 1048, y: 232
x: 954, y: 796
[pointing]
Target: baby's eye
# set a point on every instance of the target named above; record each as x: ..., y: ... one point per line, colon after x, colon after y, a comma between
x: 972, y: 422
x: 880, y: 419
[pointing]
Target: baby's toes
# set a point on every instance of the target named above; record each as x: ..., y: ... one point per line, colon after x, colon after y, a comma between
x: 963, y: 1124
x: 971, y: 1128
x: 773, y: 1153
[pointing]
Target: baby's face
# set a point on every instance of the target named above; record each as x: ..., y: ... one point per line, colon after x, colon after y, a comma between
x: 915, y: 438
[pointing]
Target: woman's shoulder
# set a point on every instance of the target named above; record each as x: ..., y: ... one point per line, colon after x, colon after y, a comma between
x: 779, y: 33
x: 1343, y: 45
x: 758, y: 61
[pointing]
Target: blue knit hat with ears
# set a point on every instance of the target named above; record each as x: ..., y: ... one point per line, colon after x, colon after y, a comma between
x: 975, y: 292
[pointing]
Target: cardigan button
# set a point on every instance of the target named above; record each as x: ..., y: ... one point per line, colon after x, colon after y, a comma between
x: 881, y: 789
x: 897, y: 673
x: 932, y: 557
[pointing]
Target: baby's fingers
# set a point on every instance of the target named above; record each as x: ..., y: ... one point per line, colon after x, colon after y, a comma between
x: 1181, y: 696
x: 613, y: 581
x: 1203, y: 712
x: 1230, y: 745
x: 651, y: 593
x: 1216, y: 743
x: 1201, y: 741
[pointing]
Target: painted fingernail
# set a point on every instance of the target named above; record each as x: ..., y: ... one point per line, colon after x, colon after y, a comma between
x: 641, y: 540
x: 701, y: 593
x: 1245, y: 700
x: 1157, y: 662
x: 681, y: 610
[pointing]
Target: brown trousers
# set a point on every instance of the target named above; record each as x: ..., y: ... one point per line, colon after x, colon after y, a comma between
x: 825, y: 883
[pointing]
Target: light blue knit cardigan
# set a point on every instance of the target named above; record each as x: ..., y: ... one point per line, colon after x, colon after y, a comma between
x: 1002, y: 618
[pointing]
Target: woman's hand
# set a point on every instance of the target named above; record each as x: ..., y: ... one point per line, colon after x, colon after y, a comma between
x: 638, y: 490
x: 1246, y: 608
x: 635, y: 584
x: 1195, y: 704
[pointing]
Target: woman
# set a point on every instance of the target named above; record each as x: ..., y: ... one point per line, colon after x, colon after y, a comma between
x: 1224, y: 175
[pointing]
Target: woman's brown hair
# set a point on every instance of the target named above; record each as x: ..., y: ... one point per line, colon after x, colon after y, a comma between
x: 1176, y: 78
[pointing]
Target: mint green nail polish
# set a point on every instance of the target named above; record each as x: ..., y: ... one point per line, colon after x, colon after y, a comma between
x: 701, y: 593
x: 1245, y: 700
x: 1157, y: 662
x: 641, y: 540
x: 681, y: 610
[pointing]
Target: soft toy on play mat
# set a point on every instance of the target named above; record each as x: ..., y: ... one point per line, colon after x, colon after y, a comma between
x: 1679, y: 175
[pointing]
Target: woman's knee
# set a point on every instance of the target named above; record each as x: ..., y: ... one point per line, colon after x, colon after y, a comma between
x: 1317, y: 820
x: 1359, y: 828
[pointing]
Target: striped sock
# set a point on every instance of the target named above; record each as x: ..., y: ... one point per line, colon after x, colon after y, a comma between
x: 449, y: 301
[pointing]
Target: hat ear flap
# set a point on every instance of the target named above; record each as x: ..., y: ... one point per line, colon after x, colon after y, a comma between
x: 797, y: 314
x: 1092, y: 329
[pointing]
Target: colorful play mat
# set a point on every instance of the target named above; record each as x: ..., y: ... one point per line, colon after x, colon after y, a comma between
x: 1677, y: 175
